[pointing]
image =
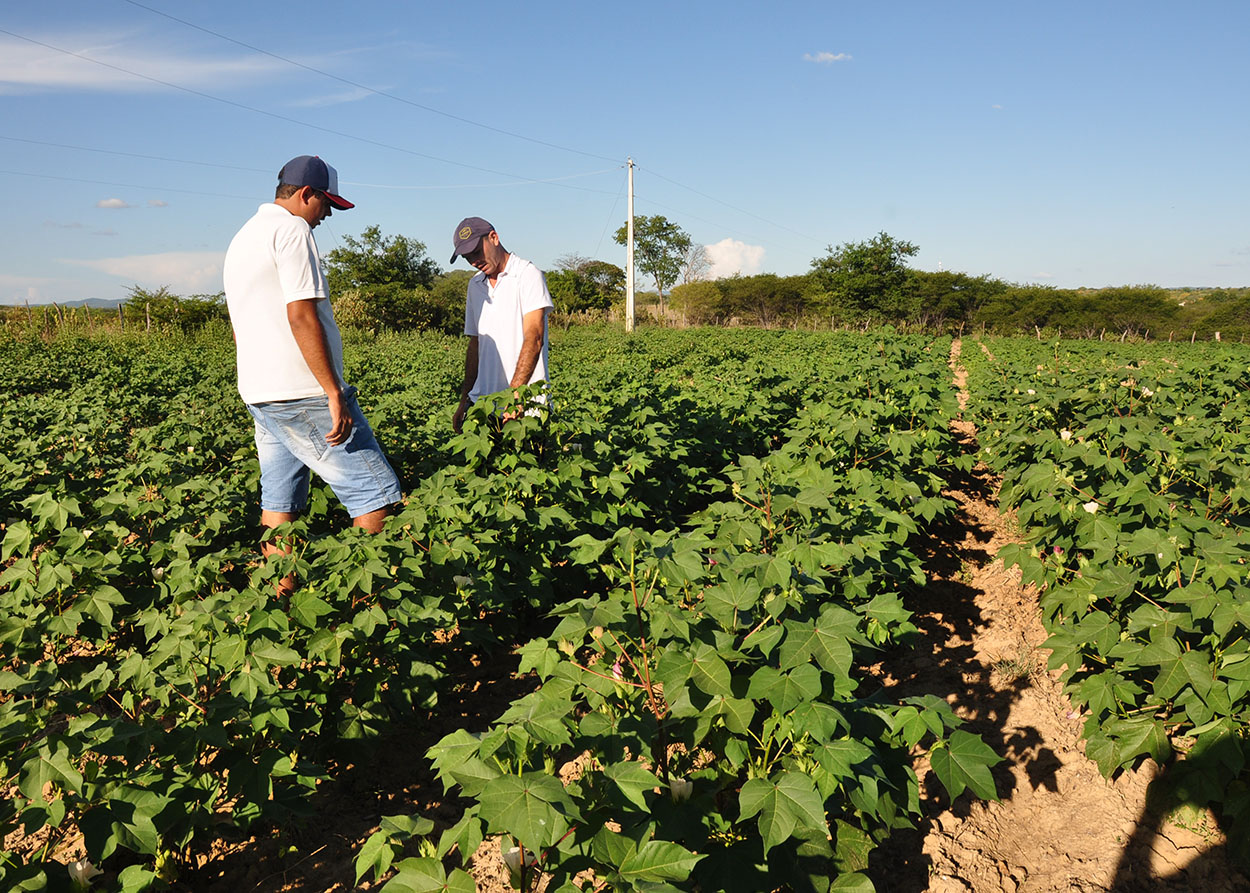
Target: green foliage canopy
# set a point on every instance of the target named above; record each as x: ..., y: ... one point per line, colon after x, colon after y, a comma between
x: 868, y: 278
x: 660, y: 248
x: 375, y: 260
x: 591, y: 285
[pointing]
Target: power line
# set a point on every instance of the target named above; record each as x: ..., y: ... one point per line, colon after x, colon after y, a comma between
x: 124, y: 185
x: 18, y: 139
x: 345, y: 182
x: 274, y: 115
x: 611, y: 214
x: 733, y: 207
x: 359, y: 86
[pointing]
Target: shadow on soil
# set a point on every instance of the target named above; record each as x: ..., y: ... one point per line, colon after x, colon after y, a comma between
x: 945, y: 664
x: 388, y: 776
x: 1220, y: 868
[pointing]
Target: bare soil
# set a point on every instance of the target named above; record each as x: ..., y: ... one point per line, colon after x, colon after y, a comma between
x: 1059, y: 826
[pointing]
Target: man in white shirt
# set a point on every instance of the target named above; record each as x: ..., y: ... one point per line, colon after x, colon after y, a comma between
x: 290, y: 359
x: 505, y: 317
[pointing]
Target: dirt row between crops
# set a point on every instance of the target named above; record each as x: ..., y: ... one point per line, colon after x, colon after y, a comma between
x: 1059, y: 826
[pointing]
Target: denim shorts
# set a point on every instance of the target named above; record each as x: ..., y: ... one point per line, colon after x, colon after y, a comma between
x: 290, y: 440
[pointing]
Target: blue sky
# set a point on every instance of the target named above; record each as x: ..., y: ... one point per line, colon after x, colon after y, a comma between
x: 1070, y: 144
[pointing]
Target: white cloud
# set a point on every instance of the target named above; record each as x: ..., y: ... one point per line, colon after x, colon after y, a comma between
x: 1043, y: 276
x: 185, y: 272
x: 111, y: 203
x: 74, y: 64
x: 19, y: 289
x: 345, y: 96
x: 729, y: 256
x: 997, y: 107
x: 826, y: 58
x: 157, y: 203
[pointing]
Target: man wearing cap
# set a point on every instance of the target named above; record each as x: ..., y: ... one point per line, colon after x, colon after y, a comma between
x: 505, y: 317
x: 290, y: 359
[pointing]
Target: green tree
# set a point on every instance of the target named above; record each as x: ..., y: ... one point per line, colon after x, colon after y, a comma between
x: 701, y: 301
x: 375, y: 260
x: 164, y: 308
x: 868, y: 278
x: 946, y: 295
x: 660, y: 248
x: 584, y: 284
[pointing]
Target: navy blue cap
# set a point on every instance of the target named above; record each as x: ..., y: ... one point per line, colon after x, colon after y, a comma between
x: 468, y: 233
x: 309, y: 170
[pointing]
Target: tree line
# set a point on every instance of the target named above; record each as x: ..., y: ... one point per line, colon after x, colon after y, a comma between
x: 380, y: 282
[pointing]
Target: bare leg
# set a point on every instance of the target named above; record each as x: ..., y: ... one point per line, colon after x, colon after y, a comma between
x: 372, y: 521
x: 270, y: 520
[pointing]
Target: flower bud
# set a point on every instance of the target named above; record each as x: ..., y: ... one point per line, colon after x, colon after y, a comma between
x: 82, y: 872
x: 680, y: 789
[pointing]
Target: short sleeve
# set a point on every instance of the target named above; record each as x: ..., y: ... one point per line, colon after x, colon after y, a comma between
x: 299, y: 264
x: 533, y: 292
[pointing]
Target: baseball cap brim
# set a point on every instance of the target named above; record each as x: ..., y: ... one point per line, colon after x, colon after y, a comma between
x: 464, y: 248
x: 338, y: 201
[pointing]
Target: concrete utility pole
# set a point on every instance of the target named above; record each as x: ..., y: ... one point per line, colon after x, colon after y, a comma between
x: 629, y: 253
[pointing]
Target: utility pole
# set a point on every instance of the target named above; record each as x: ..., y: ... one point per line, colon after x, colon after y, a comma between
x: 629, y: 253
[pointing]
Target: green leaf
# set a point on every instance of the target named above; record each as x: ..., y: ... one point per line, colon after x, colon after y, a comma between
x: 99, y: 604
x: 633, y: 781
x: 659, y: 860
x: 521, y: 805
x: 964, y: 761
x: 852, y: 883
x: 425, y: 875
x: 785, y: 803
x: 376, y: 855
x: 49, y: 766
x: 785, y: 691
x: 307, y: 608
x: 1191, y: 668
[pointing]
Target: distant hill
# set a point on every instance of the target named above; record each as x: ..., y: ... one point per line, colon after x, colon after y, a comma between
x: 94, y: 303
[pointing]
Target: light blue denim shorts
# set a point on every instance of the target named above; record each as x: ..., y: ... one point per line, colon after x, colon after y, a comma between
x: 291, y: 440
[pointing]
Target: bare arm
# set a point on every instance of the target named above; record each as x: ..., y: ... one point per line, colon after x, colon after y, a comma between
x: 533, y: 329
x: 311, y: 339
x: 470, y: 378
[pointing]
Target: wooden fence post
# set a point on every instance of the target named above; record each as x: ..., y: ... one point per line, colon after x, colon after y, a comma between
x: 121, y: 319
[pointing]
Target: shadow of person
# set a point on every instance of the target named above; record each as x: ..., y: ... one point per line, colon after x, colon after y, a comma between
x: 1175, y: 823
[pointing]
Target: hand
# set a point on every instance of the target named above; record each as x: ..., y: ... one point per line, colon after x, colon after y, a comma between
x: 517, y: 411
x: 457, y: 418
x: 340, y: 419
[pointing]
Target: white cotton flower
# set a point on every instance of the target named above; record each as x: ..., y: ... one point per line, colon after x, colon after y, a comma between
x: 462, y: 580
x: 158, y: 574
x: 512, y: 859
x: 1146, y: 392
x: 82, y: 872
x: 1091, y: 506
x: 1031, y: 391
x: 1065, y: 434
x: 680, y: 789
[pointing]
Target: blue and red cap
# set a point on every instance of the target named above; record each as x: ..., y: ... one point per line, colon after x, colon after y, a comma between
x: 309, y: 170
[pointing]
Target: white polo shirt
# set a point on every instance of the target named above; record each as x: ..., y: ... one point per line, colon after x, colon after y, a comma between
x: 272, y: 261
x: 494, y: 316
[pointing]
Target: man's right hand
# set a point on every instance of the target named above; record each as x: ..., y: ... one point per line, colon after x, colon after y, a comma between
x: 457, y: 418
x: 340, y: 418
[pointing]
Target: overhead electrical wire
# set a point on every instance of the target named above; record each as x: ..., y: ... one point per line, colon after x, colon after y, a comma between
x: 275, y: 115
x: 453, y: 117
x: 517, y: 179
x: 359, y: 86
